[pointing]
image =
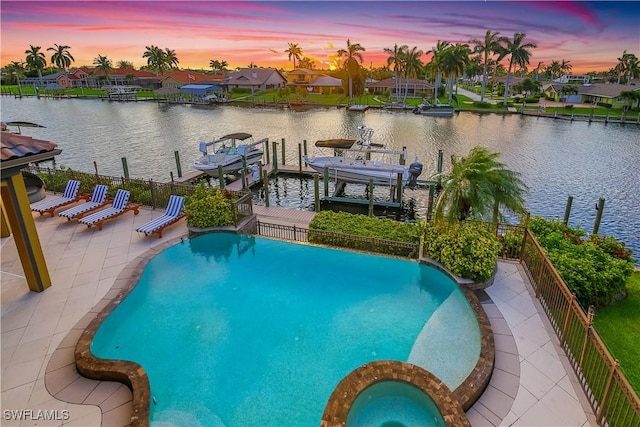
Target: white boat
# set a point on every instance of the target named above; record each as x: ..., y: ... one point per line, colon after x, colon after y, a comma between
x: 359, y: 161
x: 439, y: 110
x: 232, y: 152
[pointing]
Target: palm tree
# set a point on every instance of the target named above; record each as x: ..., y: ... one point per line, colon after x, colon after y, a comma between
x: 61, y: 57
x: 306, y: 63
x: 352, y: 56
x: 540, y: 69
x: 518, y: 53
x: 396, y: 61
x: 294, y: 52
x: 171, y: 60
x: 478, y: 186
x: 486, y: 48
x: 155, y: 58
x: 453, y: 61
x: 628, y: 67
x: 103, y: 64
x: 565, y: 67
x: 35, y: 60
x: 124, y: 64
x: 15, y: 71
x: 435, y: 63
x: 569, y: 89
x: 412, y: 66
x: 631, y: 98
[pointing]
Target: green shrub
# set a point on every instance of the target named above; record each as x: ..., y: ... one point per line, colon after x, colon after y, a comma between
x: 364, y: 233
x: 594, y: 268
x: 468, y: 249
x: 569, y: 106
x: 512, y: 243
x: 209, y: 207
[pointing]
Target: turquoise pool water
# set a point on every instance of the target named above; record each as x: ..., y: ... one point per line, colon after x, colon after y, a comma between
x: 394, y: 404
x: 243, y: 331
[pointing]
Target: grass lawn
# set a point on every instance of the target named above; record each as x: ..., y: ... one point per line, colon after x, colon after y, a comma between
x: 619, y: 327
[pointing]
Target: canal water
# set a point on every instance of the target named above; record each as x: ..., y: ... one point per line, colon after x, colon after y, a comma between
x: 556, y: 158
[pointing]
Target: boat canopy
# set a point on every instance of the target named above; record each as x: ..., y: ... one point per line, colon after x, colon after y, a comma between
x: 240, y: 135
x: 336, y: 143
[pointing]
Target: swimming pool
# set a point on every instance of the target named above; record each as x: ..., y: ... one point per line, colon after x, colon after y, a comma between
x: 252, y: 331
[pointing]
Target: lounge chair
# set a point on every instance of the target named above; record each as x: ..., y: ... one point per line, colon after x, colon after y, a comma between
x: 171, y: 215
x: 71, y: 195
x: 119, y: 206
x: 98, y: 200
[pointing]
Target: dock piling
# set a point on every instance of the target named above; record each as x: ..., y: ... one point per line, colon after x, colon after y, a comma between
x: 399, y: 188
x: 325, y: 176
x: 283, y: 152
x: 304, y: 143
x: 599, y: 209
x: 316, y: 191
x: 221, y: 177
x: 265, y: 185
x: 125, y: 167
x: 370, y: 194
x: 178, y: 166
x: 268, y: 158
x: 300, y: 158
x: 275, y: 158
x: 567, y: 210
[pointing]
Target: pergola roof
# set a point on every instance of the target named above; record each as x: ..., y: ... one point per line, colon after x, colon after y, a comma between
x: 19, y: 150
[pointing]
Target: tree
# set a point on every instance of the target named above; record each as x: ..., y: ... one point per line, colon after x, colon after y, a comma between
x: 518, y: 53
x: 412, y: 66
x: 628, y: 67
x: 61, y: 57
x: 155, y: 58
x: 218, y: 66
x: 294, y: 52
x: 352, y: 57
x: 103, y: 64
x: 396, y: 61
x: 435, y: 63
x: 15, y: 71
x: 568, y: 89
x: 125, y: 64
x: 631, y: 98
x: 478, y: 186
x: 35, y: 60
x: 306, y: 63
x: 486, y: 48
x: 171, y: 60
x: 453, y: 60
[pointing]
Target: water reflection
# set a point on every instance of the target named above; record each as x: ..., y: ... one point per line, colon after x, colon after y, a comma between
x: 557, y: 158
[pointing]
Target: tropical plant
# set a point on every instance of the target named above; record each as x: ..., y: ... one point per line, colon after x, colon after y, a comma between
x: 352, y: 60
x: 412, y: 66
x: 487, y: 47
x: 171, y: 60
x: 209, y: 207
x: 14, y: 71
x: 103, y: 64
x: 218, y: 66
x: 35, y: 60
x: 396, y: 60
x: 468, y: 249
x: 452, y: 62
x: 568, y: 89
x: 628, y: 67
x: 156, y: 59
x: 61, y: 57
x: 631, y: 98
x: 294, y: 52
x: 306, y: 63
x: 122, y: 64
x: 435, y: 63
x: 518, y: 53
x: 478, y: 186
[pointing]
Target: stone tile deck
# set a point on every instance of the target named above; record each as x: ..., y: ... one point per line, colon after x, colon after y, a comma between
x: 532, y: 385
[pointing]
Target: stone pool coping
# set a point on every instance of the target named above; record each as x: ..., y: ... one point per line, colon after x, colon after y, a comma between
x: 135, y: 378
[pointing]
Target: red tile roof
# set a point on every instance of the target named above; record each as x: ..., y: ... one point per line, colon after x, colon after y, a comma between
x: 186, y: 77
x: 15, y: 146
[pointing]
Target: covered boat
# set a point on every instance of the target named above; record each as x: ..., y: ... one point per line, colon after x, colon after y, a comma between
x: 438, y: 110
x: 232, y: 152
x: 362, y: 161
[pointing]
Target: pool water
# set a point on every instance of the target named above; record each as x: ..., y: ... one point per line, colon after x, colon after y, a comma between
x: 238, y: 330
x: 394, y: 404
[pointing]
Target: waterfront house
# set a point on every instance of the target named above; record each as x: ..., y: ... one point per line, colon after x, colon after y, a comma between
x: 414, y: 88
x: 314, y: 81
x: 256, y: 79
x: 606, y: 95
x: 53, y: 81
x: 177, y: 79
x: 94, y: 77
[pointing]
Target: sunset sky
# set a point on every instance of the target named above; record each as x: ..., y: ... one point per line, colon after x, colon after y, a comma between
x: 591, y: 35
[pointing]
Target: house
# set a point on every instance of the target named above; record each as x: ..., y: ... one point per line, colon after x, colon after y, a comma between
x: 256, y: 79
x: 607, y: 95
x: 180, y: 78
x: 581, y: 79
x: 314, y: 81
x: 94, y: 77
x: 53, y: 81
x: 414, y: 88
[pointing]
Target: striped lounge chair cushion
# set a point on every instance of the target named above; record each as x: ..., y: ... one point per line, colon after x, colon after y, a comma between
x: 70, y: 194
x: 97, y: 198
x: 118, y: 205
x: 173, y: 211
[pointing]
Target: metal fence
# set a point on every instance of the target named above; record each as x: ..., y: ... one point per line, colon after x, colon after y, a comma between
x: 612, y: 398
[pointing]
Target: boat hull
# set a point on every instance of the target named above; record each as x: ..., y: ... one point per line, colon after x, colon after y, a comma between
x: 360, y: 171
x: 231, y: 164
